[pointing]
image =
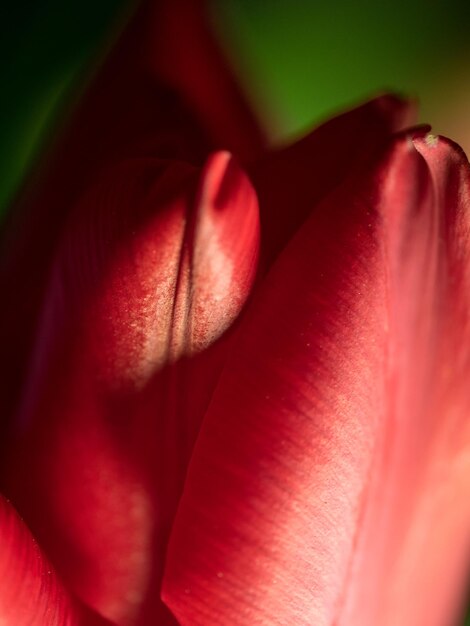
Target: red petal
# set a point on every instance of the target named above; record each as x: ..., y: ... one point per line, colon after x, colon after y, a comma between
x: 187, y: 55
x: 330, y: 478
x: 291, y: 181
x: 155, y: 267
x: 30, y: 592
x: 174, y: 105
x: 412, y: 551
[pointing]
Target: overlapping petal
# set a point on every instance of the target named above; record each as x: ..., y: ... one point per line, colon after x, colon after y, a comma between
x: 164, y: 92
x: 30, y: 593
x: 291, y: 181
x: 154, y: 267
x: 329, y: 481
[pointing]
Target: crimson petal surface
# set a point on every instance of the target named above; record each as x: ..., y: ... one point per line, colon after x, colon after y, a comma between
x: 154, y: 267
x: 30, y: 593
x: 329, y: 482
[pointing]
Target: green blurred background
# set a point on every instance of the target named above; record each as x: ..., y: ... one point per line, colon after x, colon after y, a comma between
x: 301, y: 61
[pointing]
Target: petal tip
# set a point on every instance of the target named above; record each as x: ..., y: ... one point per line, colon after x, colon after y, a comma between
x: 226, y: 189
x: 400, y: 110
x: 440, y: 147
x: 219, y: 176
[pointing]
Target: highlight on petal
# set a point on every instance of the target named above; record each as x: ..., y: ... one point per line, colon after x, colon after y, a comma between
x: 156, y: 263
x: 293, y: 180
x: 410, y: 563
x: 177, y: 101
x: 219, y: 256
x: 329, y: 483
x: 30, y: 592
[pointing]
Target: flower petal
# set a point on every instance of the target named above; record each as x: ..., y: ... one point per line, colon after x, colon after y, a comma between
x: 292, y: 180
x: 411, y: 558
x: 30, y: 593
x: 155, y: 266
x: 334, y: 422
x: 186, y: 54
x: 135, y: 106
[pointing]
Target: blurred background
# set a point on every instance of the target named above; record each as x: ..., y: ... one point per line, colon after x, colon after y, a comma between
x: 300, y: 61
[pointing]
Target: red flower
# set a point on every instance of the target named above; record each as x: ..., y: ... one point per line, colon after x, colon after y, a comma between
x: 304, y: 461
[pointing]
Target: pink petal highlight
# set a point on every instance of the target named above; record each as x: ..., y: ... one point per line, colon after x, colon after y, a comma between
x: 411, y: 557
